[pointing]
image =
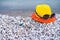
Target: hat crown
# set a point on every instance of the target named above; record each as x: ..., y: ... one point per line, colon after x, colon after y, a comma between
x: 43, y: 9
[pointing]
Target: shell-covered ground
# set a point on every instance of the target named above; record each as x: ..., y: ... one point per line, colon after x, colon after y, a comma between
x: 24, y: 28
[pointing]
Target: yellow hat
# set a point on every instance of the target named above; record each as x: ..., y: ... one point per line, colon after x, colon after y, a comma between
x: 43, y: 9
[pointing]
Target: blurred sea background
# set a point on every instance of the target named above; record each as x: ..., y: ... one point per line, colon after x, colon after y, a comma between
x: 25, y: 7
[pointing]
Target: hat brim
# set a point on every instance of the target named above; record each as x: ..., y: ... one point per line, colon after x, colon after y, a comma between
x: 42, y: 20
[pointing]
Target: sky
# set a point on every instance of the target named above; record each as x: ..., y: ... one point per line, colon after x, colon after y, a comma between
x: 27, y: 4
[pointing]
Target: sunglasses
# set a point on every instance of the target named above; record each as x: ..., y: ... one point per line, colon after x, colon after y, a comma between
x: 46, y: 16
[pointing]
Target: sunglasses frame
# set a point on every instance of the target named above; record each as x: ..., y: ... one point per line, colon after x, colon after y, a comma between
x: 49, y: 16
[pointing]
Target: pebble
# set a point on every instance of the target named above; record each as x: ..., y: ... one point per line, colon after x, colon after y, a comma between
x: 20, y: 28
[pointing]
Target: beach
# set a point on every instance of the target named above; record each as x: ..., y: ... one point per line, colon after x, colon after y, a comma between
x: 25, y: 28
